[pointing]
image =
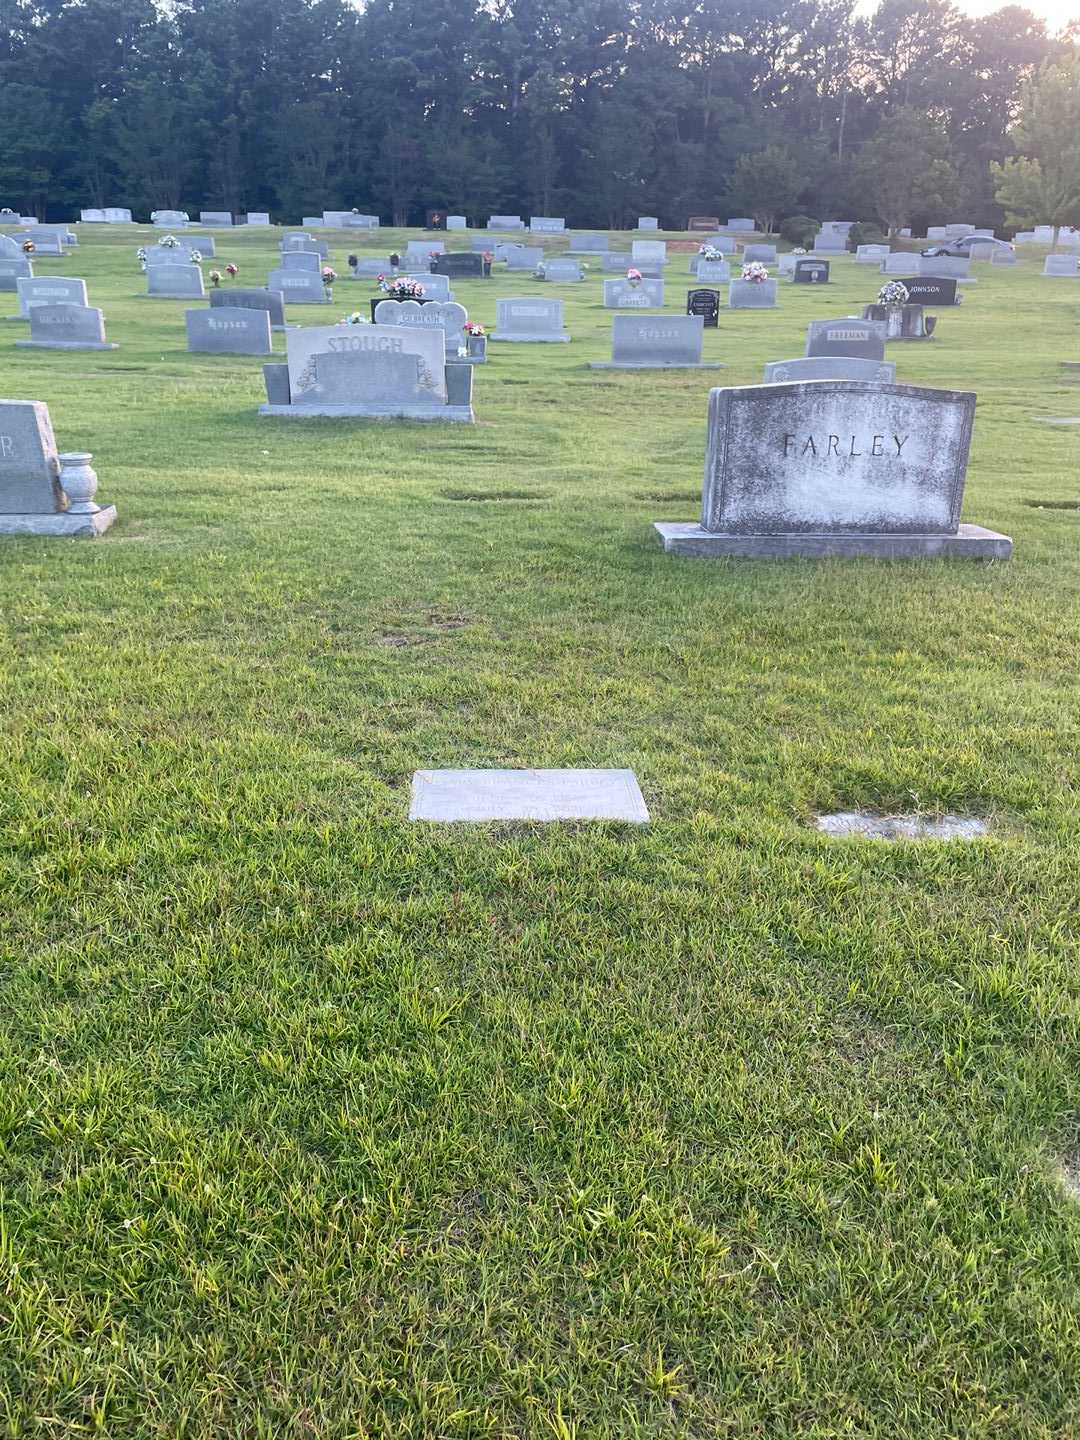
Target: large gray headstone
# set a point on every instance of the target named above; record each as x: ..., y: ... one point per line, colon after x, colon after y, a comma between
x: 752, y: 295
x: 656, y: 341
x: 117, y: 215
x: 1061, y: 265
x: 862, y: 339
x: 648, y: 222
x: 29, y: 465
x: 215, y: 217
x: 12, y: 271
x: 589, y: 243
x: 524, y: 257
x: 300, y: 240
x: 10, y: 249
x: 505, y: 222
x: 309, y: 385
x: 447, y: 316
x: 562, y: 271
x: 166, y: 219
x: 622, y: 295
x: 244, y: 297
x: 834, y: 456
x: 45, y: 242
x: 436, y: 287
x: 309, y: 260
x: 529, y: 320
x: 648, y: 250
x: 298, y: 287
x: 763, y: 254
x: 261, y: 218
x: 228, y: 330
x: 177, y: 282
x: 830, y: 367
x: 712, y: 272
x: 50, y: 290
x: 66, y: 327
x: 547, y: 224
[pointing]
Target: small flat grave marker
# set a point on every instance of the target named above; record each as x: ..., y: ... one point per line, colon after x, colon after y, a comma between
x: 545, y: 795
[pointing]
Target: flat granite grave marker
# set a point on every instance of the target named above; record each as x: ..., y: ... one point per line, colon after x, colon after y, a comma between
x: 862, y: 339
x: 830, y: 367
x: 32, y: 501
x: 49, y: 290
x: 705, y: 303
x: 174, y: 282
x: 547, y: 795
x: 831, y: 467
x: 629, y: 295
x: 656, y: 342
x: 66, y: 327
x: 246, y: 297
x: 228, y: 330
x: 808, y: 271
x: 309, y: 260
x: 529, y: 321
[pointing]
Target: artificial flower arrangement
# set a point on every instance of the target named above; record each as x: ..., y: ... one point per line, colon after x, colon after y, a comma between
x: 195, y: 256
x: 28, y: 247
x: 232, y: 270
x: 355, y: 319
x: 403, y: 289
x: 473, y: 327
x: 168, y: 242
x: 354, y: 260
x: 799, y: 250
x: 634, y: 276
x: 893, y: 294
x: 215, y: 278
x: 710, y: 252
x: 755, y: 272
x: 329, y: 275
x: 140, y: 255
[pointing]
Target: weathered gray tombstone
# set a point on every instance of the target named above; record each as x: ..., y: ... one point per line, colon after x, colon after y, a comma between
x: 547, y: 224
x: 12, y: 271
x: 1061, y: 266
x: 299, y: 287
x: 527, y: 320
x: 752, y: 295
x: 588, y: 243
x: 459, y: 265
x: 309, y: 260
x: 742, y: 224
x: 899, y: 262
x: 953, y: 267
x: 836, y: 468
x: 712, y: 272
x: 261, y: 218
x: 505, y: 222
x: 863, y: 339
x: 92, y: 217
x: 628, y: 295
x: 374, y: 371
x: 936, y: 234
x: 45, y: 242
x: 562, y: 271
x: 648, y: 222
x: 436, y: 287
x: 66, y: 327
x: 763, y: 254
x: 871, y: 254
x: 169, y: 219
x: 524, y: 257
x: 830, y: 242
x: 830, y: 367
x: 303, y: 241
x: 118, y: 215
x: 32, y: 500
x: 457, y: 222
x: 420, y: 253
x: 49, y: 290
x: 648, y: 252
x: 243, y: 297
x: 616, y: 262
x: 1002, y: 256
x: 174, y: 282
x: 228, y: 330
x: 370, y: 267
x: 221, y: 218
x: 983, y: 254
x: 179, y: 254
x: 10, y: 250
x: 808, y: 271
x: 447, y: 316
x: 656, y: 342
x: 204, y: 244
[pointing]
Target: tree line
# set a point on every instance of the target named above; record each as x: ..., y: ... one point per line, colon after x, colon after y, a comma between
x: 599, y: 110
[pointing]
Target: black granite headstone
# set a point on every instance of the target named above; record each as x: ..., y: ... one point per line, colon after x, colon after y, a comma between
x: 931, y: 290
x: 811, y: 272
x: 460, y: 264
x: 705, y: 303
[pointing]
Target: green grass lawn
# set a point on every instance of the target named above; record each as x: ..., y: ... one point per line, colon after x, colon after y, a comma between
x: 317, y: 1124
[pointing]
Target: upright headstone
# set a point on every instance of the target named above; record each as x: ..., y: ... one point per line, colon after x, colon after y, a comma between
x: 174, y: 282
x: 459, y: 265
x: 648, y: 250
x: 92, y: 217
x: 215, y: 217
x: 808, y: 271
x: 742, y: 225
x: 752, y: 295
x: 562, y: 271
x: 871, y: 254
x: 505, y: 222
x: 169, y: 219
x: 1061, y: 265
x: 830, y: 367
x: 705, y: 303
x: 763, y: 254
x: 298, y: 287
x: 524, y: 257
x: 228, y: 330
x: 66, y: 327
x: 655, y: 342
x: 309, y: 260
x: 31, y: 499
x: 712, y: 272
x: 547, y: 224
x: 12, y: 271
x: 648, y: 222
x: 625, y: 295
x: 447, y: 316
x: 118, y: 215
x: 49, y: 290
x: 704, y: 222
x: 835, y: 468
x: 457, y: 222
x: 244, y: 297
x: 862, y: 339
x: 529, y: 320
x: 436, y: 287
x: 590, y: 243
x: 260, y: 218
x: 930, y: 290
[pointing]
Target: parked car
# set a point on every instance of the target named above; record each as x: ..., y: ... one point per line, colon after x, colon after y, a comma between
x: 962, y: 247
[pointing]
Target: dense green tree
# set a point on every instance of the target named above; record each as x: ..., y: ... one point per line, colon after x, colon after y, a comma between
x: 905, y: 169
x: 766, y: 185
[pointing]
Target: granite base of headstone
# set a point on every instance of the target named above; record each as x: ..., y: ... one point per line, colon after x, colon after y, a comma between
x: 660, y: 342
x: 33, y: 500
x: 835, y: 468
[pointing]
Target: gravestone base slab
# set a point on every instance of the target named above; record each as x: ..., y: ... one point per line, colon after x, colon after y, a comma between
x: 453, y: 414
x: 87, y: 527
x: 546, y: 795
x: 563, y: 339
x: 971, y: 542
x: 629, y: 365
x: 65, y: 345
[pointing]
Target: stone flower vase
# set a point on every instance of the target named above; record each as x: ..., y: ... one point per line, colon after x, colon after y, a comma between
x: 79, y: 482
x: 477, y: 347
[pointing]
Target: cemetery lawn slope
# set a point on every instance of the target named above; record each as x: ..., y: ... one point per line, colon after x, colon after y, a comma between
x: 315, y: 1123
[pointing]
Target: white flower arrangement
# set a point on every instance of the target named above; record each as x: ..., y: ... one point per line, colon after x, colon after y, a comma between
x: 195, y: 256
x: 710, y: 253
x: 755, y: 272
x: 798, y: 250
x: 168, y: 242
x: 893, y: 294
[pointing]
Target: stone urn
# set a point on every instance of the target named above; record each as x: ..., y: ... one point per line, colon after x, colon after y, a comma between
x: 79, y: 482
x: 476, y: 346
